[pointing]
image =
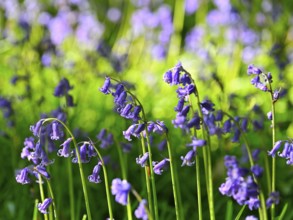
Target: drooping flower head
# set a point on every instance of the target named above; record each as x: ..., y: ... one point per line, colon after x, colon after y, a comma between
x: 140, y: 212
x: 44, y: 206
x: 120, y: 189
x: 95, y: 176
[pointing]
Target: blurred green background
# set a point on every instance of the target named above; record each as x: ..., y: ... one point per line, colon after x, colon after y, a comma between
x: 138, y: 41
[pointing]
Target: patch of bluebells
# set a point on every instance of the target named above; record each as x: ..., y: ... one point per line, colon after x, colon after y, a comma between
x: 240, y: 184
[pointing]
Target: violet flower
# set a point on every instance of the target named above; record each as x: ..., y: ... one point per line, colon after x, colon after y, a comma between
x: 120, y: 189
x: 65, y: 151
x: 159, y: 167
x: 140, y: 212
x: 44, y: 206
x: 142, y: 160
x: 95, y: 176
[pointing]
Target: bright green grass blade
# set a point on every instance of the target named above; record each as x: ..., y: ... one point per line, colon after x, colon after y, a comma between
x: 229, y: 210
x: 240, y: 213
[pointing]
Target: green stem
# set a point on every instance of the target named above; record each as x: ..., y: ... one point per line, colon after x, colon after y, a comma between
x: 42, y: 193
x: 71, y: 190
x: 154, y: 192
x: 147, y: 177
x: 174, y: 185
x: 53, y: 199
x: 106, y: 183
x: 206, y: 156
x: 198, y: 187
x: 79, y: 165
x: 273, y: 142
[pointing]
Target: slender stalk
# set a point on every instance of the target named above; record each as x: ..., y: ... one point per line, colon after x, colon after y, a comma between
x: 174, y: 185
x: 198, y: 187
x: 53, y: 199
x: 106, y: 183
x: 83, y: 183
x: 273, y: 125
x: 147, y: 177
x: 71, y: 190
x: 206, y: 155
x: 35, y: 213
x: 154, y: 192
x: 42, y: 193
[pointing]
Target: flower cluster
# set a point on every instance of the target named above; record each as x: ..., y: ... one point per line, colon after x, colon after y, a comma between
x: 105, y: 138
x: 6, y: 107
x: 123, y: 103
x: 261, y: 79
x: 240, y: 184
x: 286, y: 153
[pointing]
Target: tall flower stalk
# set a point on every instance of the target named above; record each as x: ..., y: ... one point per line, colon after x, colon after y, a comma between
x: 179, y: 76
x: 83, y: 182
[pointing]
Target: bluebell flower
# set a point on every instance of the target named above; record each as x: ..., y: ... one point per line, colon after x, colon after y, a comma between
x: 65, y: 151
x: 236, y: 136
x: 120, y: 189
x: 167, y: 77
x: 194, y: 122
x: 188, y: 160
x: 180, y: 105
x: 134, y: 115
x: 274, y: 198
x: 185, y: 79
x: 253, y: 203
x: 227, y: 126
x: 253, y: 70
x: 121, y: 99
x: 83, y: 152
x: 56, y: 133
x: 40, y: 169
x: 275, y: 148
x: 185, y: 91
x: 22, y: 177
x: 36, y: 129
x: 219, y: 116
x: 62, y: 88
x: 139, y: 128
x: 285, y: 152
x: 196, y: 143
x: 125, y: 111
x: 140, y: 212
x: 276, y: 95
x: 207, y: 106
x: 106, y: 87
x: 101, y: 134
x: 142, y: 160
x: 159, y: 167
x: 244, y: 124
x: 127, y: 134
x: 44, y: 206
x: 95, y: 176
